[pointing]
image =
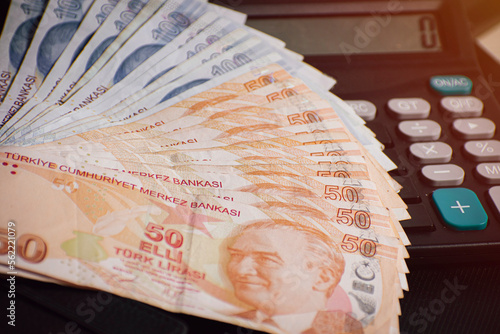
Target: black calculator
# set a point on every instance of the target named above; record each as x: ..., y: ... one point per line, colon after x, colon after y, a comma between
x: 409, y: 68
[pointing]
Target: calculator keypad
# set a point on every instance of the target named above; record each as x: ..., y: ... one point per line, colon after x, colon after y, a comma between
x: 453, y: 146
x: 432, y: 155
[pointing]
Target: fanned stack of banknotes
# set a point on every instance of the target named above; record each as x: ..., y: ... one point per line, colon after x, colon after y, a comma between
x: 163, y: 151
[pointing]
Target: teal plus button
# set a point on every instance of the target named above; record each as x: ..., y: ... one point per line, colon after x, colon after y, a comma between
x: 451, y: 84
x: 460, y: 208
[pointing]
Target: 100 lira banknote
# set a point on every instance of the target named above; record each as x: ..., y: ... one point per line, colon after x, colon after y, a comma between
x: 96, y: 14
x: 132, y: 54
x: 100, y: 48
x: 22, y: 21
x: 56, y: 28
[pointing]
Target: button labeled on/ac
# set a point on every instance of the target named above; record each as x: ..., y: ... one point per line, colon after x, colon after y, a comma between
x: 451, y: 84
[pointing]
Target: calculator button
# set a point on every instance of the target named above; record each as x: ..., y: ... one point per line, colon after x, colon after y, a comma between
x: 364, y: 109
x: 424, y: 130
x: 451, y: 84
x: 431, y: 152
x: 409, y: 108
x: 489, y: 172
x: 483, y: 150
x: 462, y: 106
x: 460, y: 208
x: 494, y: 194
x: 447, y: 175
x: 474, y: 128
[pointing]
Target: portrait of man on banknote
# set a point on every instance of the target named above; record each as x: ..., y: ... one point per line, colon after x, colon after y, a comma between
x: 287, y: 273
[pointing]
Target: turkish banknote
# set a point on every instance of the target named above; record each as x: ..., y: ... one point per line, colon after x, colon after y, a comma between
x: 57, y: 26
x: 22, y: 21
x: 174, y: 156
x: 114, y: 31
x: 95, y: 16
x: 171, y: 249
x: 89, y: 96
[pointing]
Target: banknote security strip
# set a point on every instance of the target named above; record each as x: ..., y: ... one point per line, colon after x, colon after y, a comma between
x: 229, y: 185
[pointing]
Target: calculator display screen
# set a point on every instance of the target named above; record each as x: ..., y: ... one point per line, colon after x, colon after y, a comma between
x: 360, y: 34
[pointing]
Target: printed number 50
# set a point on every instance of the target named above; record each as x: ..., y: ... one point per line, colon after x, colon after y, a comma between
x: 60, y: 184
x: 172, y: 237
x: 29, y: 247
x: 352, y: 243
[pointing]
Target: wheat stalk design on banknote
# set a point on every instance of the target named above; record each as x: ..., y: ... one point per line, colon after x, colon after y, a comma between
x: 163, y: 151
